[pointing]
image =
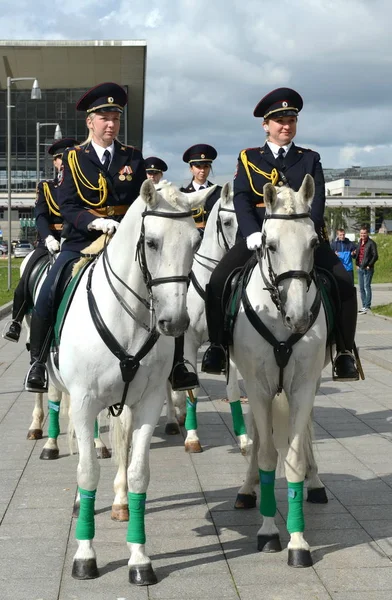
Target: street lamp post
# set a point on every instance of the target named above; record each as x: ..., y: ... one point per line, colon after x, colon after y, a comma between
x: 35, y: 95
x: 57, y: 136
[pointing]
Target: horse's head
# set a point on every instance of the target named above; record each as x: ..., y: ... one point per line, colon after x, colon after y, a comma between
x: 227, y: 221
x: 289, y: 240
x: 167, y: 244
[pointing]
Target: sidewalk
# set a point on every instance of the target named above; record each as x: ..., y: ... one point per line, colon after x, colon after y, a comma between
x: 200, y: 546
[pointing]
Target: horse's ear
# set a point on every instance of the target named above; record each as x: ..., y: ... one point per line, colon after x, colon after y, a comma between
x: 226, y: 193
x: 149, y: 193
x: 307, y: 189
x: 270, y: 195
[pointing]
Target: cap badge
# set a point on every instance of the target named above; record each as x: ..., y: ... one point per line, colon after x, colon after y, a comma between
x: 110, y: 100
x: 285, y: 104
x: 152, y: 166
x: 202, y: 155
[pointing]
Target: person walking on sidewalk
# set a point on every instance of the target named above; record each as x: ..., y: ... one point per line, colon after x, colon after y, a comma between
x: 366, y: 257
x: 345, y: 250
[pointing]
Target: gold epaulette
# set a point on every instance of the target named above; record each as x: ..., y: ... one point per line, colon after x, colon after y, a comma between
x: 79, y: 177
x: 52, y: 205
x: 273, y: 176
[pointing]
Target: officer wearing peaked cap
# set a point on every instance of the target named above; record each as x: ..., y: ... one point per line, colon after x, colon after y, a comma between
x: 280, y: 162
x: 49, y: 224
x: 155, y: 167
x: 98, y: 181
x: 200, y: 158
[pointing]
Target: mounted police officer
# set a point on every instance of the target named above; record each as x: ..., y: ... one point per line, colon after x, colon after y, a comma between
x: 98, y: 181
x: 155, y: 168
x: 49, y: 224
x: 200, y: 158
x: 279, y: 162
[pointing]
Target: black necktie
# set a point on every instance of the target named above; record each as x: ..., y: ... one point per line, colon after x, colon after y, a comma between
x: 280, y: 159
x: 107, y: 160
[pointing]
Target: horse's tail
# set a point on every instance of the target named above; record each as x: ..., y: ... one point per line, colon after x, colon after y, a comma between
x: 120, y: 436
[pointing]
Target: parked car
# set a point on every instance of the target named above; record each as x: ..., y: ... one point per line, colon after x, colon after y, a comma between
x: 3, y: 248
x: 23, y: 249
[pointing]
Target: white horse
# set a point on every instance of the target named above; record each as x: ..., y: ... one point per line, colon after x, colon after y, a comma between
x: 219, y: 237
x: 51, y: 450
x: 281, y: 293
x: 137, y: 299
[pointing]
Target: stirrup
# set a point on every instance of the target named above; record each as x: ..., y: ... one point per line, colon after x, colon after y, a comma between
x: 336, y: 376
x: 191, y: 374
x: 32, y: 388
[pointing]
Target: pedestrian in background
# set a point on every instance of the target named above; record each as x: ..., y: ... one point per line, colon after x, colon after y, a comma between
x: 345, y: 250
x: 366, y: 257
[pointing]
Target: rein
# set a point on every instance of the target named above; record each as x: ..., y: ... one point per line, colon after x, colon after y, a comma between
x: 129, y: 364
x: 282, y: 350
x: 219, y: 230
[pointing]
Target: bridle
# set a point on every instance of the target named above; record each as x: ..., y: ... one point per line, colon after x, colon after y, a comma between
x: 272, y: 284
x: 129, y: 364
x: 213, y: 261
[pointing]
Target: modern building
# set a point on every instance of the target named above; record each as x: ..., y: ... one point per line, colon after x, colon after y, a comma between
x: 356, y: 172
x: 349, y: 187
x: 64, y: 70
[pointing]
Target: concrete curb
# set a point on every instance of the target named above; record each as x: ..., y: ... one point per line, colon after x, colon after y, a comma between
x: 376, y: 360
x: 5, y: 309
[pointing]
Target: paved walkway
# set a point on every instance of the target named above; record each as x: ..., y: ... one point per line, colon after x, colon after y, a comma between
x: 201, y: 548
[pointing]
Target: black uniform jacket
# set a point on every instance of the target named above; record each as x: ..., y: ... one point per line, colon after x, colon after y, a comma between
x: 47, y: 218
x: 297, y: 163
x: 201, y: 218
x: 82, y: 187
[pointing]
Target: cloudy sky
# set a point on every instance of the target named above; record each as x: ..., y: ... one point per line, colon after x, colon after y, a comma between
x: 210, y: 61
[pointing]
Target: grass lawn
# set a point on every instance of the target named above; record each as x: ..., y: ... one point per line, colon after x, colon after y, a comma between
x: 383, y: 309
x: 5, y: 295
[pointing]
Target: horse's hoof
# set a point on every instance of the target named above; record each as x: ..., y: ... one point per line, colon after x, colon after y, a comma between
x: 299, y: 558
x: 34, y: 434
x: 193, y: 447
x: 172, y: 429
x: 102, y: 452
x: 181, y: 420
x: 143, y: 575
x: 269, y: 543
x: 85, y: 569
x: 317, y: 496
x: 246, y: 501
x: 120, y: 512
x: 49, y: 454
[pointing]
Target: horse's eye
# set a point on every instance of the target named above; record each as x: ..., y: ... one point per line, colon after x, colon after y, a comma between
x: 314, y: 243
x: 271, y: 247
x: 228, y: 222
x: 152, y: 244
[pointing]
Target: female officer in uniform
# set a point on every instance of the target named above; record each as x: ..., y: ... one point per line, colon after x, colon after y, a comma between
x: 49, y: 224
x: 200, y: 158
x: 280, y: 162
x: 155, y: 167
x: 98, y: 181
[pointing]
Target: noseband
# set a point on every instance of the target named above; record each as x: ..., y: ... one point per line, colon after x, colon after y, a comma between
x: 272, y: 285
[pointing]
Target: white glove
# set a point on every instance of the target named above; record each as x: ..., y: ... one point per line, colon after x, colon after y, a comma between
x: 253, y: 240
x: 104, y: 225
x: 52, y: 244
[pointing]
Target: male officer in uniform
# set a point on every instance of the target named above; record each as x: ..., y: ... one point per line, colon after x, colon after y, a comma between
x: 279, y: 162
x: 49, y: 224
x: 155, y: 168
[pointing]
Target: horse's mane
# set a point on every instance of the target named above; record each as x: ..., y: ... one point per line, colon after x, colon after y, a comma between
x: 169, y: 192
x: 289, y: 202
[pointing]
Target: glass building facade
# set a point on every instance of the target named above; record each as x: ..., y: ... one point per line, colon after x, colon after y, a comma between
x: 56, y: 106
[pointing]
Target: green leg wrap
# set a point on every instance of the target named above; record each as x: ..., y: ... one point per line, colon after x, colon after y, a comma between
x: 85, y: 527
x: 96, y: 429
x: 238, y: 418
x: 54, y: 425
x: 191, y: 417
x: 267, y: 493
x: 137, y: 505
x: 295, y: 517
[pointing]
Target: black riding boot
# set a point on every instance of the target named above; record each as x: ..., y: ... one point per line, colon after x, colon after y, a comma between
x: 344, y: 367
x: 19, y: 307
x: 180, y: 378
x: 40, y: 338
x: 214, y: 359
